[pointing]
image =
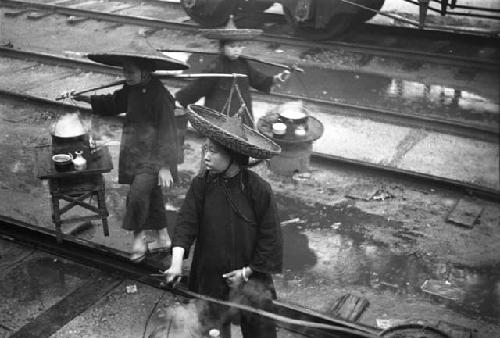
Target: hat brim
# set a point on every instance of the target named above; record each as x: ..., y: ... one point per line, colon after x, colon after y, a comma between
x: 314, y: 131
x: 231, y: 34
x: 154, y: 62
x: 210, y: 124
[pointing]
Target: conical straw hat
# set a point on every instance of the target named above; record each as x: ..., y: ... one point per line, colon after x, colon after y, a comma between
x: 230, y: 32
x: 231, y: 132
x: 140, y: 52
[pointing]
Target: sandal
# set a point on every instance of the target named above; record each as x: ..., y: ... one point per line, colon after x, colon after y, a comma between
x: 137, y: 257
x: 139, y: 248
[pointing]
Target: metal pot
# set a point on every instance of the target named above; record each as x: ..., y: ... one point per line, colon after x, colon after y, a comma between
x: 69, y: 135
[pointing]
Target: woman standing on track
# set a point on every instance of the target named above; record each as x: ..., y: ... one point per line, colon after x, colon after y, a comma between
x: 231, y: 213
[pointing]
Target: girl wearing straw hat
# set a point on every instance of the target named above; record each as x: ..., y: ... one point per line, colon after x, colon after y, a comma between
x: 218, y: 92
x: 148, y: 150
x: 231, y: 213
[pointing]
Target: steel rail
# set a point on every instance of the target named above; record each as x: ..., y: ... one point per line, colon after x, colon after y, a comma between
x: 438, y: 58
x: 472, y: 189
x: 356, y: 111
x: 117, y: 263
x: 421, y: 56
x: 375, y: 114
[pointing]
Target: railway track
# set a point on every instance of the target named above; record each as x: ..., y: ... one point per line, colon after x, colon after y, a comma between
x: 113, y: 267
x: 430, y: 46
x: 63, y: 73
x: 461, y: 128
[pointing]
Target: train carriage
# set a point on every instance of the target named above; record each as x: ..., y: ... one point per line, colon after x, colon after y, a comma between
x: 319, y: 19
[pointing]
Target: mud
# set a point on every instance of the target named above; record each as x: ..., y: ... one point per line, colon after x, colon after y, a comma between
x: 383, y: 250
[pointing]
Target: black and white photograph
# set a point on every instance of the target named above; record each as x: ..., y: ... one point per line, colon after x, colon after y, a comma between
x: 249, y: 168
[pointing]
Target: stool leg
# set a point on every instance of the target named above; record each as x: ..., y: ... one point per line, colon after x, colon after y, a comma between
x: 56, y: 217
x: 101, y: 204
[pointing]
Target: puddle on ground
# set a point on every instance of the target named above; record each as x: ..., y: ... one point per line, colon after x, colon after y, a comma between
x: 371, y: 90
x: 356, y: 260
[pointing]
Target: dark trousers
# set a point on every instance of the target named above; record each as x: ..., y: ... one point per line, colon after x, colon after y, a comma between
x: 252, y: 325
x: 145, y: 208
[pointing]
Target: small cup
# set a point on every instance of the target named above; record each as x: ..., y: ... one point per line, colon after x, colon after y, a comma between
x: 279, y: 129
x: 300, y: 131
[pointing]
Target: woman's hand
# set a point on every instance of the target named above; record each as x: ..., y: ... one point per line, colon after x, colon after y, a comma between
x: 165, y: 179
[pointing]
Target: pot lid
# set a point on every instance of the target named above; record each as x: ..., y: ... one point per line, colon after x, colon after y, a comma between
x: 69, y: 125
x: 292, y: 110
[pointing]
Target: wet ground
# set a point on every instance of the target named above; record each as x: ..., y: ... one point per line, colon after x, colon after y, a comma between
x: 382, y: 248
x: 353, y: 259
x: 416, y: 98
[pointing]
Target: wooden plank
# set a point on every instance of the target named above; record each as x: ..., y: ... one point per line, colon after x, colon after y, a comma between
x: 455, y: 330
x: 443, y: 289
x: 348, y: 307
x: 466, y: 212
x: 68, y: 308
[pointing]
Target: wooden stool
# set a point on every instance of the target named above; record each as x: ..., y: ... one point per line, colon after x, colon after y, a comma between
x: 75, y: 190
x: 76, y: 187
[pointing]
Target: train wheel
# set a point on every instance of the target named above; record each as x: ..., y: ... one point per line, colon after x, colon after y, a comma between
x: 365, y: 15
x: 209, y: 13
x: 249, y: 14
x: 337, y: 25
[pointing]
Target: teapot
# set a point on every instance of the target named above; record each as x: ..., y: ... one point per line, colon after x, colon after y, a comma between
x: 79, y: 162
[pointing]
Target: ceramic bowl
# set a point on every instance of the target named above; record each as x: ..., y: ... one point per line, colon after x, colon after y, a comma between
x: 62, y: 162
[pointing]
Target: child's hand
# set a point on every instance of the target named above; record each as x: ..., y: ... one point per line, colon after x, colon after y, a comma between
x: 283, y: 76
x: 173, y: 275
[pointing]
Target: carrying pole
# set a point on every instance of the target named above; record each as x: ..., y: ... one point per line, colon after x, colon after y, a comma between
x: 292, y: 68
x: 159, y: 74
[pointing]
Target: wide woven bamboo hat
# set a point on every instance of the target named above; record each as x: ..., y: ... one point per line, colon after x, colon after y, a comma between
x: 230, y: 32
x: 141, y: 54
x: 231, y: 132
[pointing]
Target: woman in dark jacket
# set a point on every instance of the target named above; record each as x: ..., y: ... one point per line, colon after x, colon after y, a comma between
x: 148, y: 149
x: 231, y: 213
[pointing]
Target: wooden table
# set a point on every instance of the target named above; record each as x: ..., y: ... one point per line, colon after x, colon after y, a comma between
x: 75, y: 187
